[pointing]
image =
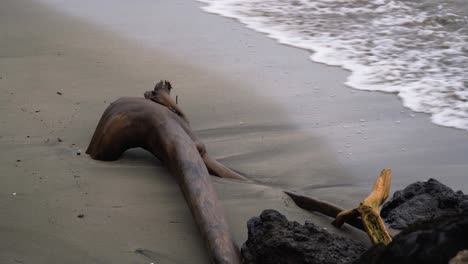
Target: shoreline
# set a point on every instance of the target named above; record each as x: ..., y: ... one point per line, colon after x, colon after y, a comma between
x: 247, y: 97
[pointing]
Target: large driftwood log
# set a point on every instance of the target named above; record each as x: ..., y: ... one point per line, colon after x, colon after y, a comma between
x: 157, y: 124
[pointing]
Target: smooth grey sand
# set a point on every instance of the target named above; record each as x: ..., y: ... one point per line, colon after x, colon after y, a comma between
x: 262, y: 108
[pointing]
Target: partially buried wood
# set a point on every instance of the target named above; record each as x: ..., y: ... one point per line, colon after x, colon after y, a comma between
x: 315, y: 205
x: 157, y: 124
x: 369, y: 209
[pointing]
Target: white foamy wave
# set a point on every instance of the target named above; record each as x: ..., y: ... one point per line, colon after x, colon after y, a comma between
x: 415, y: 49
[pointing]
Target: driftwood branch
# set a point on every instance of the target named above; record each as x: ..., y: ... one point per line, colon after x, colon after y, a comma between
x: 315, y: 205
x: 365, y: 217
x: 369, y: 210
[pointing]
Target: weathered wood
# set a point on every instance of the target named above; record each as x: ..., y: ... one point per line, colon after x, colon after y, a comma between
x: 369, y: 209
x: 315, y: 205
x: 162, y: 129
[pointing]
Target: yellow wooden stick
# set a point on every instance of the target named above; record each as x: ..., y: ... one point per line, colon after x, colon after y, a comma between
x: 369, y: 210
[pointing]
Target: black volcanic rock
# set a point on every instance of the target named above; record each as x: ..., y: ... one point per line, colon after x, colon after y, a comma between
x: 272, y: 239
x: 432, y: 241
x: 422, y: 200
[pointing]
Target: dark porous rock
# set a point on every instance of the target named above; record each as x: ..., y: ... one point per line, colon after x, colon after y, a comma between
x: 430, y: 241
x: 272, y: 239
x: 422, y: 200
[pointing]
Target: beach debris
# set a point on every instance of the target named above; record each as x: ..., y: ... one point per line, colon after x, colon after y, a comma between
x: 362, y: 120
x: 312, y: 204
x: 80, y: 216
x: 37, y: 111
x: 241, y: 123
x: 184, y: 154
x: 14, y: 194
x: 78, y: 152
x: 398, y: 121
x: 18, y: 160
x: 59, y: 139
x: 412, y: 115
x: 368, y: 211
x: 59, y: 93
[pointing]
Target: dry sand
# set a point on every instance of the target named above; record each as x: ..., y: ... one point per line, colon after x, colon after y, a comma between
x: 262, y: 108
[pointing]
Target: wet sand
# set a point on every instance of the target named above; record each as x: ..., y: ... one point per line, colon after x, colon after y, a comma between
x: 262, y: 108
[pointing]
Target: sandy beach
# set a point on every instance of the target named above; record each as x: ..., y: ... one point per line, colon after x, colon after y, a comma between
x: 262, y: 108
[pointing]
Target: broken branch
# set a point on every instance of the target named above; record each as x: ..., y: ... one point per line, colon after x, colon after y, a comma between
x: 369, y: 209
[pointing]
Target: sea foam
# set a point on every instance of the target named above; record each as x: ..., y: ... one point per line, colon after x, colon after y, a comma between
x: 418, y: 50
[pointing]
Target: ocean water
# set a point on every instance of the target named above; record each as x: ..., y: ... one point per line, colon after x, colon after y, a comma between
x: 417, y: 49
